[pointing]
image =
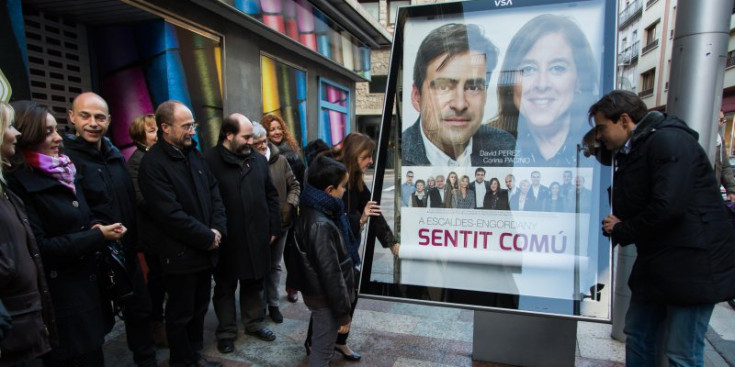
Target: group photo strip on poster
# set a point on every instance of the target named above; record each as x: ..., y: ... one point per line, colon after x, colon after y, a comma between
x: 494, y: 111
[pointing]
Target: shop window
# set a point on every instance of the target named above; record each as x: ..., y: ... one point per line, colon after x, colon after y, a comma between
x: 307, y: 25
x: 334, y: 112
x: 144, y: 64
x: 284, y: 94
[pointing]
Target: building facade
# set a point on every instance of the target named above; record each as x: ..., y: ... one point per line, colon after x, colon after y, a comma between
x: 299, y: 59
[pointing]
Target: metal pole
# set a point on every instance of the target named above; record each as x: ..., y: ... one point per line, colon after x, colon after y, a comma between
x: 698, y: 66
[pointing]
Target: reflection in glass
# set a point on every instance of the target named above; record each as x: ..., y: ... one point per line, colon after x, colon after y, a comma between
x: 284, y: 94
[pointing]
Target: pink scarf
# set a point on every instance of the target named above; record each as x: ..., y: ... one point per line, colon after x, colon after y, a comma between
x: 61, y: 168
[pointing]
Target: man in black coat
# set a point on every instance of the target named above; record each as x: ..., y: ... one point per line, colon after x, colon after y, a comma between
x: 111, y: 197
x: 665, y: 200
x: 436, y: 194
x: 254, y: 222
x: 183, y: 199
x: 480, y: 187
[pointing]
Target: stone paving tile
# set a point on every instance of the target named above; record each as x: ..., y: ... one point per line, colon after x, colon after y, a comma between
x: 424, y: 311
x: 387, y: 322
x: 458, y: 330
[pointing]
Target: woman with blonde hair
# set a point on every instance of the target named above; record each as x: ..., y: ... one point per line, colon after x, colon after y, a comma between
x: 24, y: 290
x: 144, y: 133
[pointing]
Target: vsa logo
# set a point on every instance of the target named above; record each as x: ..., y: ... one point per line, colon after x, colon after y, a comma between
x: 503, y: 2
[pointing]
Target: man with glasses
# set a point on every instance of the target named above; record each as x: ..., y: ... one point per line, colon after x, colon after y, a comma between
x: 450, y: 77
x: 108, y: 189
x: 254, y: 222
x: 183, y: 198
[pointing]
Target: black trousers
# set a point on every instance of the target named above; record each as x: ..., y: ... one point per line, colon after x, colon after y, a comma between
x: 188, y: 301
x: 137, y: 314
x: 156, y: 288
x: 252, y: 307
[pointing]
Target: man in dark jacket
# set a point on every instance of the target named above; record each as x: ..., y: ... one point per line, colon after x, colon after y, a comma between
x: 183, y: 198
x: 665, y: 200
x: 111, y: 197
x: 254, y: 222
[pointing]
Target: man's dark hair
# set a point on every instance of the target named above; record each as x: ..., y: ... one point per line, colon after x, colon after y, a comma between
x: 617, y: 102
x: 480, y: 169
x: 230, y: 125
x: 411, y: 172
x: 325, y: 171
x: 452, y: 39
x: 165, y: 114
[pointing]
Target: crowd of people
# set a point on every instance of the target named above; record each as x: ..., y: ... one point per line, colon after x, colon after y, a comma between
x: 565, y: 195
x: 87, y: 235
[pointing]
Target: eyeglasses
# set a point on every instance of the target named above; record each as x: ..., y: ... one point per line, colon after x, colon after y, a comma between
x: 445, y: 87
x: 259, y: 143
x: 189, y: 127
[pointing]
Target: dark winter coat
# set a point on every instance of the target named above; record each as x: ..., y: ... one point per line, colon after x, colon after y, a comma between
x: 325, y: 273
x: 61, y: 222
x: 355, y: 202
x: 669, y: 202
x: 23, y: 287
x: 496, y: 201
x: 253, y: 215
x: 183, y: 198
x: 107, y: 186
x: 145, y: 222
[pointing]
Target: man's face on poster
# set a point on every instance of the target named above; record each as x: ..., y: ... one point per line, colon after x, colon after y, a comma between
x: 509, y: 182
x: 451, y: 99
x: 479, y: 176
x: 535, y: 178
x: 440, y: 182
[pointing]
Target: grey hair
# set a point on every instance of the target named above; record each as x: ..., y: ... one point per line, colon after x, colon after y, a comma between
x: 258, y: 130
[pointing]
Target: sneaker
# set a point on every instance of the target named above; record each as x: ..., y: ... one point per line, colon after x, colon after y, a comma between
x: 276, y: 315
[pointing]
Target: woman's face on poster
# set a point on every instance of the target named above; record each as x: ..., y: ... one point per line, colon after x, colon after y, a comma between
x: 452, y: 179
x: 464, y: 183
x: 554, y: 190
x: 547, y: 81
x: 493, y: 185
x: 419, y: 187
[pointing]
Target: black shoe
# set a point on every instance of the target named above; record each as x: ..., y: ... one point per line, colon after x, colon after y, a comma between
x: 263, y: 334
x: 226, y: 345
x: 205, y: 363
x: 350, y: 357
x: 276, y: 315
x: 307, y: 346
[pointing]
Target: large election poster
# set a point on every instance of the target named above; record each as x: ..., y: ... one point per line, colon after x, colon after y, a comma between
x: 498, y: 201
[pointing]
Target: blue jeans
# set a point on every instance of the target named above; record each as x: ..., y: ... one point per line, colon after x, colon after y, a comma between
x: 684, y: 343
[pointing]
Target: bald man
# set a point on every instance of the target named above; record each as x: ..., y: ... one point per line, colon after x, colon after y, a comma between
x: 254, y: 222
x: 183, y: 198
x: 110, y: 195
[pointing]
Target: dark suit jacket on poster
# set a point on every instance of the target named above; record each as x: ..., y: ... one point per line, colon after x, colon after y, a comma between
x: 487, y: 140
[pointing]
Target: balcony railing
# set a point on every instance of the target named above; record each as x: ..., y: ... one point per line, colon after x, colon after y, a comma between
x: 649, y: 3
x: 631, y: 11
x: 645, y: 93
x: 730, y: 59
x: 629, y: 55
x: 650, y: 46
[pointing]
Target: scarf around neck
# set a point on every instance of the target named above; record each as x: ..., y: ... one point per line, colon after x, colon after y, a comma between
x: 335, y: 209
x: 60, y: 168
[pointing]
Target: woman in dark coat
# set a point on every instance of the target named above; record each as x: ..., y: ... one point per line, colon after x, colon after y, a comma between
x: 496, y: 198
x: 144, y: 133
x: 23, y: 286
x: 68, y: 240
